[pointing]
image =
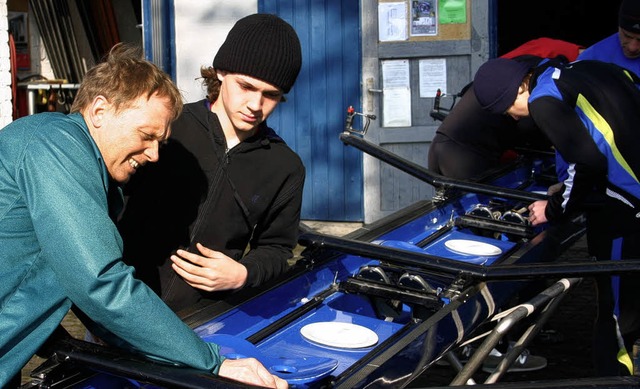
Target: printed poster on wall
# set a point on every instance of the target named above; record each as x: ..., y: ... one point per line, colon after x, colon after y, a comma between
x: 396, y: 87
x: 392, y: 21
x: 452, y: 11
x: 433, y: 76
x: 424, y: 18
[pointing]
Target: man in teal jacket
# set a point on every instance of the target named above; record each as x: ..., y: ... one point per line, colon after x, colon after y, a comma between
x: 59, y: 176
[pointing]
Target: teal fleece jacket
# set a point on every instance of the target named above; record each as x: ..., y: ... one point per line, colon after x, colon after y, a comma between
x: 59, y: 246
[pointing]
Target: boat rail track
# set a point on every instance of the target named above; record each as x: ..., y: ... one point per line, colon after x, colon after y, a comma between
x: 399, y: 277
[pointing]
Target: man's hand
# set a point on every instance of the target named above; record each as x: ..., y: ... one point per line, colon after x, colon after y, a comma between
x: 536, y: 212
x: 210, y: 271
x: 250, y: 371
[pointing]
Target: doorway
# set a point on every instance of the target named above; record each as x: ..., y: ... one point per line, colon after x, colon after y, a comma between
x: 578, y: 21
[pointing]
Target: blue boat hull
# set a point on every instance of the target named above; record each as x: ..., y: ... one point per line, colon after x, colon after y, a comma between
x: 396, y: 277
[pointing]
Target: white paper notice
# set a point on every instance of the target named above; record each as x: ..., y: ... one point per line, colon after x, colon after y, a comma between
x: 397, y: 108
x: 392, y: 22
x: 433, y: 76
x: 395, y: 73
x: 396, y: 89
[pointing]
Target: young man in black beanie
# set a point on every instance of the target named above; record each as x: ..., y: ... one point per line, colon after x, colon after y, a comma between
x: 589, y: 110
x: 623, y: 47
x: 228, y: 191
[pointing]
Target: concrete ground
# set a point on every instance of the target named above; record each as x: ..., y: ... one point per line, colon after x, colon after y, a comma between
x: 332, y: 228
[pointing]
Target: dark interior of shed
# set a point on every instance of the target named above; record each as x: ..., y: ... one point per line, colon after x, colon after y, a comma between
x: 583, y: 22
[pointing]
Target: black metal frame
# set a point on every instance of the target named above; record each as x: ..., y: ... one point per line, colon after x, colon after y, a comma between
x: 71, y: 353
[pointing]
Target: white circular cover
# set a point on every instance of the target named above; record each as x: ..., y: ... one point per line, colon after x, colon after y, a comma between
x: 340, y: 335
x: 472, y: 247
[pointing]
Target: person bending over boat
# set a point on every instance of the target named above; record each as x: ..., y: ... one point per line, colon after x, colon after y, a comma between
x: 58, y: 243
x: 471, y: 141
x: 589, y: 110
x: 228, y: 190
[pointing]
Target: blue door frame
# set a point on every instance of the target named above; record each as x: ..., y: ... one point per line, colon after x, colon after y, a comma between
x: 313, y: 118
x: 159, y: 34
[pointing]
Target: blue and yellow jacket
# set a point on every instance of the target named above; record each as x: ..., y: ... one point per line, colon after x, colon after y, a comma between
x: 590, y: 110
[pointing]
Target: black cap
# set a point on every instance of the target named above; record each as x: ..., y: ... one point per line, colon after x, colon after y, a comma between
x: 497, y: 81
x: 629, y: 16
x: 262, y: 46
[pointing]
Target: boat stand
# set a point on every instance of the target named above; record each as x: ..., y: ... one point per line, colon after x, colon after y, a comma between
x: 544, y: 303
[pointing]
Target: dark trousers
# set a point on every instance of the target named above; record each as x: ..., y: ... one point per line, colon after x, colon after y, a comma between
x: 610, y: 238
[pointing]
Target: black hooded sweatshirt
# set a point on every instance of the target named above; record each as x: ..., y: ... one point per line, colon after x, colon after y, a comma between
x: 243, y: 200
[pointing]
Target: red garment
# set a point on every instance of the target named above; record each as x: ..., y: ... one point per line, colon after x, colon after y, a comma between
x: 546, y: 48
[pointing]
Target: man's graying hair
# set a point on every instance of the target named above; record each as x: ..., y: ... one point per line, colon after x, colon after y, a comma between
x: 123, y: 77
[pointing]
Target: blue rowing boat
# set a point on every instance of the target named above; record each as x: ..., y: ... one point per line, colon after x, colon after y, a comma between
x: 376, y: 308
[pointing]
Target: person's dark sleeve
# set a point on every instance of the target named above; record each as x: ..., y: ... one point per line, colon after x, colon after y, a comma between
x: 276, y: 234
x: 587, y: 167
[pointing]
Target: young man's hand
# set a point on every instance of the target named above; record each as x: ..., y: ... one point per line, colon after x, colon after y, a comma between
x: 211, y: 271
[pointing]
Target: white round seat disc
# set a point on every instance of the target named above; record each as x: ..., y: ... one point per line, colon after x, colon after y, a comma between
x: 340, y: 335
x: 472, y: 247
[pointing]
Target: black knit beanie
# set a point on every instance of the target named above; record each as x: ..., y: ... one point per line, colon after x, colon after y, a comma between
x: 629, y: 16
x: 262, y: 46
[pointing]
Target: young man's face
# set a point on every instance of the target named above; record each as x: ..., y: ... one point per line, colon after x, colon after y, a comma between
x: 520, y: 107
x: 131, y: 137
x: 630, y: 43
x: 247, y: 101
